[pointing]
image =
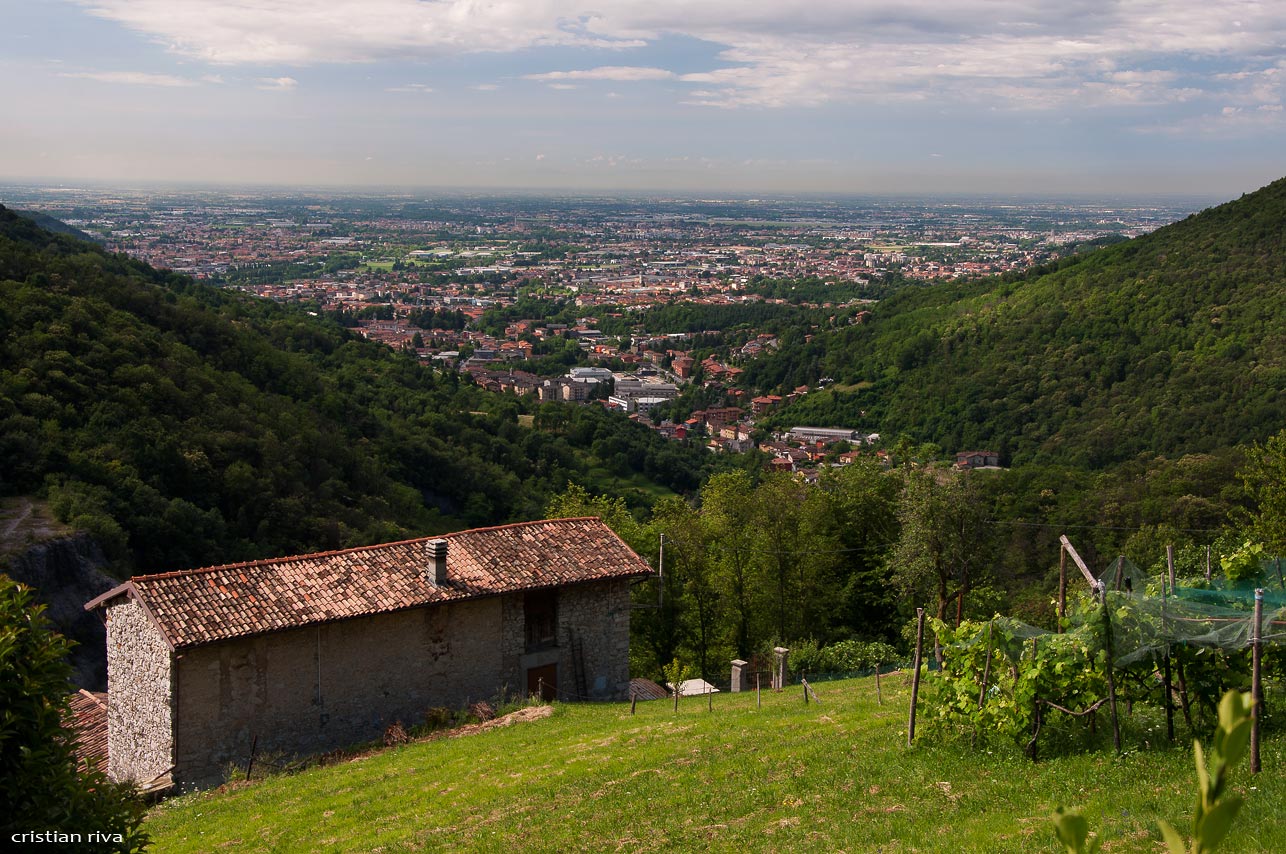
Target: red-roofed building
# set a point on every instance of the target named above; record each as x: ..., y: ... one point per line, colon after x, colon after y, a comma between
x: 298, y: 655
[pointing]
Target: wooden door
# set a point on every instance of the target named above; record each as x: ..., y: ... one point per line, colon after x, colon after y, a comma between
x: 544, y: 681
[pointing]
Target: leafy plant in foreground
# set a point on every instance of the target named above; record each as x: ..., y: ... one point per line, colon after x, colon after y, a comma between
x: 1215, y: 811
x: 40, y: 786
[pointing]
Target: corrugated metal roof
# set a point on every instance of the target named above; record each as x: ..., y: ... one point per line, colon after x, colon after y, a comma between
x: 199, y: 606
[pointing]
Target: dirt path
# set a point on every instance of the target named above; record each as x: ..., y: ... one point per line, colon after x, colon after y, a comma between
x: 24, y: 522
x: 11, y: 525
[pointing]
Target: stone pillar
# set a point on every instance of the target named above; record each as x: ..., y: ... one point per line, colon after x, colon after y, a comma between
x: 780, y: 671
x: 739, y: 675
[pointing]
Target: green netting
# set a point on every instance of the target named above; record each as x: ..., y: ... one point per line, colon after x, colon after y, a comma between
x: 1147, y: 619
x: 1123, y: 576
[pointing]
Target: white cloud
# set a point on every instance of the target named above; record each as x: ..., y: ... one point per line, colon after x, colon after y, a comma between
x: 131, y: 78
x: 1016, y: 54
x: 625, y: 73
x: 277, y: 84
x: 412, y: 88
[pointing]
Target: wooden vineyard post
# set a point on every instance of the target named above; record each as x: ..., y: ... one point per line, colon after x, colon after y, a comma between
x: 676, y: 698
x: 1035, y: 713
x: 804, y: 681
x: 1169, y: 562
x: 1207, y: 563
x: 1183, y: 693
x: 1111, y: 679
x: 879, y: 692
x: 1062, y: 587
x: 709, y: 698
x: 986, y: 670
x: 1168, y: 684
x: 250, y: 763
x: 915, y: 676
x: 1076, y: 559
x: 634, y: 700
x: 758, y: 702
x: 1256, y: 687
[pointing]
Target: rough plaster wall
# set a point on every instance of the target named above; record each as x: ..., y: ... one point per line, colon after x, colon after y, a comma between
x: 373, y: 671
x: 599, y: 615
x: 139, y: 714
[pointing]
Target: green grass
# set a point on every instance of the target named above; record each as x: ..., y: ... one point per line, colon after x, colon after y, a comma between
x: 820, y: 777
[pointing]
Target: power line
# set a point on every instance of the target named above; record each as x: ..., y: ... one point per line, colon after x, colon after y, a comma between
x: 1091, y: 527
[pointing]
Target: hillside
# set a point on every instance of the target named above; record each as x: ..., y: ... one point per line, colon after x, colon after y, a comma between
x: 1171, y: 343
x: 828, y: 776
x: 57, y: 226
x: 184, y: 425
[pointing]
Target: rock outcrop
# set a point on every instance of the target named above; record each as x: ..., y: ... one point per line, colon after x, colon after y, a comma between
x: 66, y: 572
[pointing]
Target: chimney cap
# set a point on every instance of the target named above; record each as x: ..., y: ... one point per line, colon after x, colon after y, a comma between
x: 437, y: 561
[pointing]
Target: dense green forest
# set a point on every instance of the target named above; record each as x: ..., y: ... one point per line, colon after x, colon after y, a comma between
x: 1169, y: 344
x: 185, y: 425
x: 760, y: 559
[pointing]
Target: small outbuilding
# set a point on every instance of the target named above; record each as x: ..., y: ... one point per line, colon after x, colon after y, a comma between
x: 305, y: 654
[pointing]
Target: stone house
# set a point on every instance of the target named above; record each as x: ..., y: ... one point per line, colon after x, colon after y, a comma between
x: 304, y: 654
x: 977, y: 459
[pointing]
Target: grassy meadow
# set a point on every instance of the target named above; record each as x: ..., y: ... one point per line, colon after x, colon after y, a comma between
x: 833, y: 775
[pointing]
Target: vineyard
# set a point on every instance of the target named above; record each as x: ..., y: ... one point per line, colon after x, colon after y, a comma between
x: 1172, y: 646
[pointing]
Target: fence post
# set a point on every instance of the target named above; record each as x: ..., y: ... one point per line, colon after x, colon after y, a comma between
x: 1256, y: 687
x: 1168, y: 684
x: 250, y: 763
x: 634, y: 700
x: 1062, y: 587
x: 1035, y: 712
x: 915, y: 676
x: 879, y: 692
x: 1111, y: 679
x: 986, y: 670
x: 759, y: 704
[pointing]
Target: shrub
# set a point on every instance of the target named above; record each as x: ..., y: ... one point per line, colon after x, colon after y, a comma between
x: 40, y: 785
x: 846, y: 656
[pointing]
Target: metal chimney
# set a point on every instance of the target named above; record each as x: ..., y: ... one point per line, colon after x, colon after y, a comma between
x: 437, y: 569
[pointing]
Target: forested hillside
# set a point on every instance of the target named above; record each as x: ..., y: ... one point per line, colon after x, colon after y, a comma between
x: 1169, y: 344
x: 184, y: 425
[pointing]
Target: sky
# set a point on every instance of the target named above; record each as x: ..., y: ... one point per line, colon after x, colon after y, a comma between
x: 1177, y: 97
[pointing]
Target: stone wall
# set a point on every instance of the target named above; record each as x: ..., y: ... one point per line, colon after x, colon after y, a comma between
x: 139, y: 710
x: 597, y: 614
x: 319, y: 688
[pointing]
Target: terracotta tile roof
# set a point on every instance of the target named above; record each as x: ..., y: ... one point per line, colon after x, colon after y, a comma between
x: 199, y: 606
x: 88, y: 719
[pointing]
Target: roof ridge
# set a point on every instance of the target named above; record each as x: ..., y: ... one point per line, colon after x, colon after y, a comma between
x: 248, y: 564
